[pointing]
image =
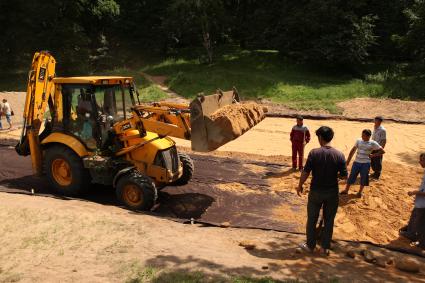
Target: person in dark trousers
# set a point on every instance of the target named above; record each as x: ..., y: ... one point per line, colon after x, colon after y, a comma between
x: 415, y: 230
x: 361, y: 164
x: 380, y: 136
x: 326, y: 164
x: 300, y: 136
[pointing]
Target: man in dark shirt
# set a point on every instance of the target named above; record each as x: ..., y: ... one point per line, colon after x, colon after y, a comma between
x: 325, y: 163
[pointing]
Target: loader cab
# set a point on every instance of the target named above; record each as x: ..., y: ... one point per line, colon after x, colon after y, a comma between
x: 91, y: 106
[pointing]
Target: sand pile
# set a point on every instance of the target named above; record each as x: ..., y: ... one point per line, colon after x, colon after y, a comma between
x: 238, y: 118
x: 231, y: 121
x: 376, y: 217
x: 383, y: 210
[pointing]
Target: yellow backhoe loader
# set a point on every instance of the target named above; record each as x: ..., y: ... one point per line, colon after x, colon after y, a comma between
x: 83, y: 130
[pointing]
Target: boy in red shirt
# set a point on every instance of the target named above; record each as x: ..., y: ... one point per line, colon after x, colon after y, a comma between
x: 300, y: 136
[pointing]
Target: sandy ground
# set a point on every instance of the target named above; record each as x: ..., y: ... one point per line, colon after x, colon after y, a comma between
x: 357, y: 218
x: 390, y: 108
x: 103, y: 243
x: 52, y: 240
x: 17, y: 102
x: 56, y: 240
x: 271, y: 137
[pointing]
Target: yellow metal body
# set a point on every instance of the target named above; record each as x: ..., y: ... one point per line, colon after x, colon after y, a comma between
x: 138, y: 149
x: 93, y: 80
x: 39, y: 89
x: 141, y: 151
x: 70, y: 141
x: 142, y: 134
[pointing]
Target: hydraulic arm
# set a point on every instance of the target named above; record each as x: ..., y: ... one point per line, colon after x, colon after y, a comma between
x: 39, y: 91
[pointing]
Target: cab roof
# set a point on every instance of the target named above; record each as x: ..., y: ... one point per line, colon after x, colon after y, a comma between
x: 97, y: 80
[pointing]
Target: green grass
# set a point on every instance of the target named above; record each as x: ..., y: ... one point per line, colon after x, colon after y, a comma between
x: 153, y: 275
x: 148, y: 91
x: 264, y: 74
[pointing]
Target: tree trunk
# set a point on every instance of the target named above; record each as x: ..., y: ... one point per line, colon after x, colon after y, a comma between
x: 207, y: 45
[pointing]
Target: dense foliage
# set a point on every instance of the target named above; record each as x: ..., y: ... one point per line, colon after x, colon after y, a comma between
x: 93, y: 34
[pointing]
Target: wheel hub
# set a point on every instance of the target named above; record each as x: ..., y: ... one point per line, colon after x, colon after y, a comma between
x: 132, y: 195
x: 61, y: 172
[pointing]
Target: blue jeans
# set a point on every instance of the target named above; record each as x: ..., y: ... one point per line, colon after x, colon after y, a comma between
x: 363, y: 169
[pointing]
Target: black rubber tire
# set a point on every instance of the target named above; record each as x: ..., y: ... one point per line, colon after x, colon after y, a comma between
x: 80, y: 176
x: 144, y: 184
x: 188, y: 169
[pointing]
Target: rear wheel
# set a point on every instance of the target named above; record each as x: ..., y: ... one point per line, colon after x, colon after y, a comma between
x: 188, y: 169
x: 65, y: 171
x: 136, y: 191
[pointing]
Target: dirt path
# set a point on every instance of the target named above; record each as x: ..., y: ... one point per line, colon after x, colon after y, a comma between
x: 97, y: 243
x: 160, y: 82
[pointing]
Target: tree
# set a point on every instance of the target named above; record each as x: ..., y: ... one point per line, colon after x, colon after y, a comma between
x: 192, y: 21
x: 414, y: 40
x: 66, y: 28
x: 327, y: 32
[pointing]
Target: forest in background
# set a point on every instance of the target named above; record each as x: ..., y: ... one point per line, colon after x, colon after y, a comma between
x: 342, y: 37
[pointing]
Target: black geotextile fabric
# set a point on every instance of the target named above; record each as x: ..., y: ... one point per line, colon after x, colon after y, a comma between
x: 204, y: 199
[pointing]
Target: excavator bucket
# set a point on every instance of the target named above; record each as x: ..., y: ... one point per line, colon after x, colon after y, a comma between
x: 219, y: 118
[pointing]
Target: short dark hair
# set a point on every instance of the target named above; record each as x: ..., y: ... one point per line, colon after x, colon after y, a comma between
x: 367, y: 132
x: 379, y: 118
x: 326, y: 133
x: 299, y: 117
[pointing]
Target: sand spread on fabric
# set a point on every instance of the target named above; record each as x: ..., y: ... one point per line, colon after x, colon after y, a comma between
x: 236, y: 188
x: 376, y: 217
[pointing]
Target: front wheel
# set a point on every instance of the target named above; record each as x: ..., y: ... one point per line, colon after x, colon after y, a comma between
x: 65, y: 170
x: 188, y: 168
x: 136, y: 191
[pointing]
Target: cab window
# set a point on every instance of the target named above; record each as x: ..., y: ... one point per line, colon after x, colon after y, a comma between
x: 110, y: 101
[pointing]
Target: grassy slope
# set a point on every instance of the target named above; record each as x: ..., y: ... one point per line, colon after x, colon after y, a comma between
x: 259, y: 74
x: 263, y: 74
x: 148, y: 91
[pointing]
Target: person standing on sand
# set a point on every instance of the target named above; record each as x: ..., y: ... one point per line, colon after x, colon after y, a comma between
x: 7, y: 111
x: 325, y: 163
x: 415, y: 230
x: 300, y: 136
x: 380, y: 136
x: 364, y: 148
